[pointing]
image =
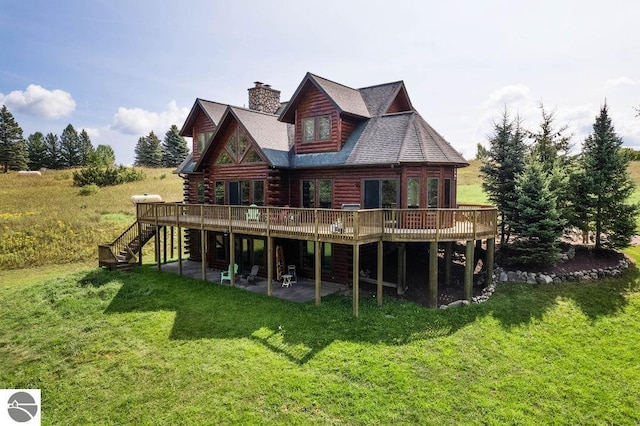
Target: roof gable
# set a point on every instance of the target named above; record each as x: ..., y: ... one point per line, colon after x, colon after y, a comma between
x: 346, y: 99
x: 213, y: 111
x: 269, y: 136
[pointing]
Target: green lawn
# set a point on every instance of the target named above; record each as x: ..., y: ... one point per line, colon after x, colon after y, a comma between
x: 153, y: 348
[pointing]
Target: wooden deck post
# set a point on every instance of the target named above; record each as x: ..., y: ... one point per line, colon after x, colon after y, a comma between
x: 380, y: 271
x: 356, y: 278
x: 203, y: 253
x: 448, y: 262
x: 269, y: 265
x: 468, y: 271
x: 491, y: 251
x: 179, y: 250
x: 318, y: 269
x: 402, y: 268
x: 157, y: 247
x: 164, y: 244
x: 232, y: 258
x: 433, y: 274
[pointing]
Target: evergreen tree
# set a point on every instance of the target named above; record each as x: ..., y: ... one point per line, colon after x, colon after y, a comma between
x: 37, y: 151
x: 174, y: 148
x: 70, y: 148
x: 538, y: 227
x: 142, y: 152
x: 52, y: 159
x: 550, y: 148
x: 13, y: 150
x: 504, y: 163
x: 86, y: 147
x: 607, y: 185
x: 148, y: 151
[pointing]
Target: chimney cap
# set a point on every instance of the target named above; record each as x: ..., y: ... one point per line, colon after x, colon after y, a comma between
x: 258, y: 83
x: 268, y: 86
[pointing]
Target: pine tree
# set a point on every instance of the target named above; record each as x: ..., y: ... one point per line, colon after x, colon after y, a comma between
x: 174, y: 148
x: 70, y: 149
x: 142, y: 151
x: 52, y: 158
x: 148, y: 151
x: 13, y: 151
x: 504, y: 163
x: 86, y: 147
x: 538, y: 227
x: 37, y: 151
x: 607, y: 185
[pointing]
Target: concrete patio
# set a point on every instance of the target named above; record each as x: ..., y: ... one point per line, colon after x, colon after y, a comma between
x: 303, y: 291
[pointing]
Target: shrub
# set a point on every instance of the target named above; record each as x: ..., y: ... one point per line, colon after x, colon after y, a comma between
x: 106, y: 176
x: 89, y: 189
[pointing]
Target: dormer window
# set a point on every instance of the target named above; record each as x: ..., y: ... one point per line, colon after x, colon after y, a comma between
x: 202, y: 140
x: 316, y: 128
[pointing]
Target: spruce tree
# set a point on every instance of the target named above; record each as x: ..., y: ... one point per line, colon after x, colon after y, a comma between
x: 52, y: 159
x: 607, y: 185
x: 550, y: 147
x: 174, y: 148
x: 37, y: 151
x: 538, y: 227
x: 13, y: 151
x: 504, y: 163
x: 70, y: 149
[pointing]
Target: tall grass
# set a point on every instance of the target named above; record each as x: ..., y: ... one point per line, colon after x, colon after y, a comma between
x: 45, y: 220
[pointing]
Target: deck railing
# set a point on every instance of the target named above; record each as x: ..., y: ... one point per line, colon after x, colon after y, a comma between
x: 464, y: 223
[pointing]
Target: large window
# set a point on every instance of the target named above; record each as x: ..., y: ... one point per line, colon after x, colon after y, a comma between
x: 413, y: 192
x: 317, y: 193
x: 246, y: 192
x: 432, y: 193
x: 316, y: 128
x: 447, y: 194
x: 249, y: 251
x: 219, y: 193
x: 202, y: 139
x: 380, y: 193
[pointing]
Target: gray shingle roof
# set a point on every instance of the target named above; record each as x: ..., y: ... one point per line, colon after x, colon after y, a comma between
x: 347, y: 99
x: 214, y: 110
x: 378, y: 139
x: 378, y: 98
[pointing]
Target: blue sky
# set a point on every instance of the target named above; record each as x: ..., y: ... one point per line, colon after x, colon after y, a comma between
x: 120, y: 69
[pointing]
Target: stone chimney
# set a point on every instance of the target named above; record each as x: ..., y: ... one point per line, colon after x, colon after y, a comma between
x: 263, y: 98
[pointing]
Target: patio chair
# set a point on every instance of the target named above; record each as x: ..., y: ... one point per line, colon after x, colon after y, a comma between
x: 253, y: 213
x: 252, y: 275
x: 226, y: 275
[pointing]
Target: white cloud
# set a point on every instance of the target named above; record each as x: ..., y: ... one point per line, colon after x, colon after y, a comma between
x: 618, y: 82
x: 92, y: 132
x: 137, y: 121
x: 507, y: 95
x: 40, y: 102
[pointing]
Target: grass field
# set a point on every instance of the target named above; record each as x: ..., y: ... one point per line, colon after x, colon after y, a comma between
x: 151, y: 348
x: 44, y: 220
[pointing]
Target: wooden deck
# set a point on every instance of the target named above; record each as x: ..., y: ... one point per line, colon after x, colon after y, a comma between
x: 329, y: 225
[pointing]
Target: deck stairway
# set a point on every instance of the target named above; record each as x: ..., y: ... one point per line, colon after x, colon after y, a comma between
x: 123, y: 253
